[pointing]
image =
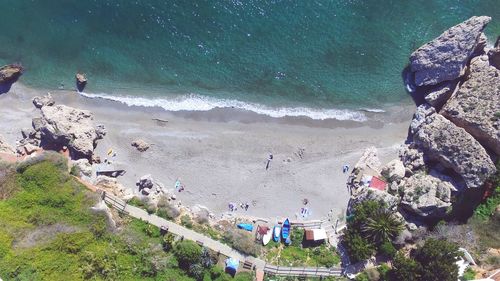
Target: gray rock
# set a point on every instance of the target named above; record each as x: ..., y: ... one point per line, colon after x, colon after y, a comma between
x: 445, y: 57
x: 368, y: 163
x: 412, y: 158
x: 84, y: 166
x: 476, y: 105
x: 10, y: 73
x: 394, y: 170
x: 46, y: 100
x: 420, y: 115
x: 437, y: 97
x: 100, y: 131
x: 66, y: 126
x: 367, y: 193
x: 37, y: 123
x: 454, y: 148
x: 426, y: 196
x: 141, y: 145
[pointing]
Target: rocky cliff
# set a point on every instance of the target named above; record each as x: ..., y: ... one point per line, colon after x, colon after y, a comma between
x: 454, y: 137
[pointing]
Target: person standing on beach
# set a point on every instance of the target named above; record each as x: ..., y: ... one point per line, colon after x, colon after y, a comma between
x: 269, y: 161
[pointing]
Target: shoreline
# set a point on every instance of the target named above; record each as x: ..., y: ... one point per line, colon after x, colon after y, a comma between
x: 220, y: 154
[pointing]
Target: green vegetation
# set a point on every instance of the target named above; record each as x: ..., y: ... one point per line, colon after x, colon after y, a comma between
x: 298, y: 255
x: 371, y: 227
x: 469, y: 274
x: 242, y: 241
x: 49, y: 232
x: 434, y: 261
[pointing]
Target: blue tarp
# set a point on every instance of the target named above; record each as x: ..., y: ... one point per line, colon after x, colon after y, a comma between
x: 232, y: 264
x: 245, y: 226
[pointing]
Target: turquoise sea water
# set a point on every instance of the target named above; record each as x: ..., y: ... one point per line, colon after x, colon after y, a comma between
x: 304, y: 55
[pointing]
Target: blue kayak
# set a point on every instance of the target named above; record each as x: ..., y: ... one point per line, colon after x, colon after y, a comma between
x: 245, y: 226
x: 285, y: 232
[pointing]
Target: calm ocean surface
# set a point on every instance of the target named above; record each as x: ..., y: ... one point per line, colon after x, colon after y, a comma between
x: 323, y: 59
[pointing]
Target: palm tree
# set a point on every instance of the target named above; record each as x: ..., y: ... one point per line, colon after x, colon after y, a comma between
x: 382, y: 226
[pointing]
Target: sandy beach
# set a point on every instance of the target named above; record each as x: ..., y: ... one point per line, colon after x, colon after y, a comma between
x: 220, y: 155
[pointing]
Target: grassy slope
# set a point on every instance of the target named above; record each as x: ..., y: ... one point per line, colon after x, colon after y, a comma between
x: 47, y: 198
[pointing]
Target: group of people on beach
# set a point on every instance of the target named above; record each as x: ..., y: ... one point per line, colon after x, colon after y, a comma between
x: 232, y: 206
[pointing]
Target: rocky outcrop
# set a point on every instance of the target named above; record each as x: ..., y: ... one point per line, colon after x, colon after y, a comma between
x: 10, y: 73
x: 369, y: 163
x: 426, y: 196
x: 454, y: 148
x: 83, y: 165
x: 366, y: 193
x: 412, y: 158
x: 145, y: 184
x: 140, y: 145
x: 437, y: 97
x: 476, y: 105
x: 46, y: 100
x: 394, y: 170
x: 445, y: 58
x: 62, y: 125
x: 111, y: 185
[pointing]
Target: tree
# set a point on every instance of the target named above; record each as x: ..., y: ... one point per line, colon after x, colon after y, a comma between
x: 187, y: 253
x: 381, y: 226
x: 404, y: 268
x: 359, y: 248
x: 387, y: 249
x: 438, y: 258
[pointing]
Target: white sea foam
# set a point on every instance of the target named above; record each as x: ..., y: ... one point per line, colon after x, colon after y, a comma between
x: 193, y: 102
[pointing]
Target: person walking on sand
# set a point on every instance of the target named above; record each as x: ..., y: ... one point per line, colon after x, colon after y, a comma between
x: 345, y: 168
x: 269, y: 161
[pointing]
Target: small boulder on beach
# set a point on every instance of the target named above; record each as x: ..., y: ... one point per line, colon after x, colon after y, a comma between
x: 46, y: 100
x: 140, y: 145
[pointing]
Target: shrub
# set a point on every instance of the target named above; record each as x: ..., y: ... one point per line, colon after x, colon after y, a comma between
x: 136, y: 201
x: 387, y: 249
x: 383, y: 271
x: 186, y: 221
x: 469, y: 274
x: 242, y: 241
x: 404, y: 268
x: 438, y: 258
x: 359, y: 248
x: 168, y: 241
x: 187, y: 252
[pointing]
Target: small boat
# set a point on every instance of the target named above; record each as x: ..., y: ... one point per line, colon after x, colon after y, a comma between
x: 276, y: 233
x: 267, y: 237
x: 285, y: 232
x: 245, y: 226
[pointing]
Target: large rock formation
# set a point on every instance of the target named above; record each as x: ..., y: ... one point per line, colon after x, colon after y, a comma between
x: 66, y: 126
x: 10, y: 73
x: 454, y: 148
x: 426, y: 195
x: 476, y: 105
x: 444, y: 58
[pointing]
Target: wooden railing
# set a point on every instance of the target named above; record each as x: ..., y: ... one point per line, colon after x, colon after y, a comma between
x: 302, y: 271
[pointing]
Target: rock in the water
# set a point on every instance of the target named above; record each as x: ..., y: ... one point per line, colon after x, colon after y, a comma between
x: 81, y: 81
x: 454, y: 148
x: 10, y: 73
x: 83, y: 166
x: 46, y: 100
x: 445, y: 57
x: 5, y: 147
x: 394, y: 170
x: 438, y: 96
x: 141, y: 145
x: 476, y: 105
x: 426, y: 195
x: 494, y: 54
x: 66, y: 126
